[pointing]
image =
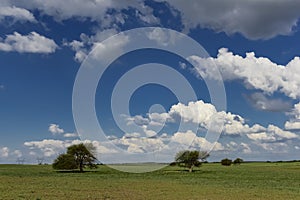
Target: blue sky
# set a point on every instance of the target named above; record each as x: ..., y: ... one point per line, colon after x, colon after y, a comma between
x: 44, y: 44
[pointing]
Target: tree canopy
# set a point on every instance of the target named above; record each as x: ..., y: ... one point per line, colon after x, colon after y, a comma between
x: 190, y: 159
x: 77, y: 157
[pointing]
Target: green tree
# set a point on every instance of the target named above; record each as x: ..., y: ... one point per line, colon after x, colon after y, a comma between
x: 190, y: 159
x: 64, y: 161
x: 226, y: 162
x: 77, y: 157
x: 238, y: 161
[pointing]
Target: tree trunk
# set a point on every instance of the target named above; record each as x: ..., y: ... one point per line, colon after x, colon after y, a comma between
x: 191, y: 169
x: 81, y: 167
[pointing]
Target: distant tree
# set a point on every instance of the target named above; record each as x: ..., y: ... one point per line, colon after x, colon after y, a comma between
x: 77, y: 157
x: 226, y: 162
x: 190, y: 159
x: 238, y: 161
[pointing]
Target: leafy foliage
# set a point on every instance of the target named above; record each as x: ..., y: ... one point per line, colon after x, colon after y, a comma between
x: 190, y: 159
x: 77, y: 157
x: 64, y: 161
x: 238, y: 161
x: 226, y: 162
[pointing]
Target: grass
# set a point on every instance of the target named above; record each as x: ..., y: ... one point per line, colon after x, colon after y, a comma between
x: 211, y: 181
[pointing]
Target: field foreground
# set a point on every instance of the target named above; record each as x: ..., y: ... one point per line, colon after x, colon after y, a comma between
x: 211, y: 181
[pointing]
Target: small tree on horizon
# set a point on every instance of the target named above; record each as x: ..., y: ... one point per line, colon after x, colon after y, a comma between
x: 226, y: 162
x: 238, y: 161
x: 77, y: 157
x: 190, y: 159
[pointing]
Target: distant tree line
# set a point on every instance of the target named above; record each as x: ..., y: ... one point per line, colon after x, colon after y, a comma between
x: 228, y: 162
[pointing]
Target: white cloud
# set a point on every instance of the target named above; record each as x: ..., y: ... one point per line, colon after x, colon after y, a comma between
x: 206, y: 113
x: 294, y: 123
x: 162, y: 37
x: 278, y: 147
x: 31, y: 43
x: 78, y: 47
x: 52, y: 148
x: 139, y: 144
x: 87, y: 43
x: 263, y: 136
x: 4, y: 151
x: 196, y: 112
x: 272, y: 134
x: 271, y: 77
x: 132, y: 135
x: 55, y: 129
x: 253, y: 19
x: 18, y: 153
x: 246, y: 148
x: 96, y: 10
x: 138, y: 120
x: 68, y: 135
x: 2, y: 87
x: 190, y: 139
x: 48, y: 147
x: 18, y: 14
x: 108, y: 51
x: 282, y: 134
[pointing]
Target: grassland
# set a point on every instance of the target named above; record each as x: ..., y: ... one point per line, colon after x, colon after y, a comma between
x: 211, y: 181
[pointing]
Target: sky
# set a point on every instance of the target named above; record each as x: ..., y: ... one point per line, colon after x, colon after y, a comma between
x: 222, y: 77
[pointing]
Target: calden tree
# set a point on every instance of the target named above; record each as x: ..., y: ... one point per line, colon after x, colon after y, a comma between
x: 190, y: 159
x: 77, y: 157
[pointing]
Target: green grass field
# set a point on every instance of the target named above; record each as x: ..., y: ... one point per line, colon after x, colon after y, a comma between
x: 211, y: 181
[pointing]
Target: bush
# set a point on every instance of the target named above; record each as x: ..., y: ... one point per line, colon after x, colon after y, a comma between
x: 226, y: 162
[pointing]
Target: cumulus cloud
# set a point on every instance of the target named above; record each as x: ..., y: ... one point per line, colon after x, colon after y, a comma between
x: 279, y: 147
x: 294, y: 123
x: 18, y: 14
x: 272, y: 134
x: 4, y: 151
x: 140, y: 144
x: 94, y: 10
x: 55, y: 129
x: 198, y: 112
x: 205, y: 113
x: 190, y: 139
x: 51, y: 147
x: 31, y: 43
x: 271, y: 77
x: 253, y: 19
x: 261, y: 102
